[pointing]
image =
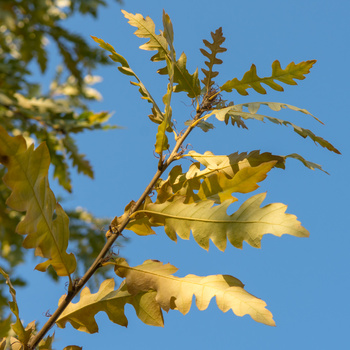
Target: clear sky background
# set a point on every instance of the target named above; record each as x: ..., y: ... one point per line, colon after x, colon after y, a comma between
x: 305, y: 282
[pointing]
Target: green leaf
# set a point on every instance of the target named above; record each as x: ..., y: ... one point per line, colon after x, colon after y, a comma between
x: 81, y: 315
x: 177, y: 293
x: 215, y: 48
x: 27, y: 178
x: 211, y: 222
x: 286, y: 76
x: 158, y: 42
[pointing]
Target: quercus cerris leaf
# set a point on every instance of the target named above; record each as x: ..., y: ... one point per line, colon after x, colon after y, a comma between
x: 162, y: 143
x: 185, y: 81
x: 286, y: 76
x: 81, y: 315
x: 215, y: 48
x: 176, y: 293
x: 231, y: 163
x: 125, y: 69
x: 253, y: 107
x: 237, y: 110
x: 161, y: 138
x: 218, y: 187
x: 207, y: 221
x: 27, y: 178
x: 222, y: 176
x: 146, y: 29
x: 299, y: 130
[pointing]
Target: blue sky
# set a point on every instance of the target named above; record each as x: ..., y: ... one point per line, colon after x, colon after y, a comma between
x: 305, y: 282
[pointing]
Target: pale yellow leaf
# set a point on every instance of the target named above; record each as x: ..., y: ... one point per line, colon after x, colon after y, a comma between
x: 176, y: 293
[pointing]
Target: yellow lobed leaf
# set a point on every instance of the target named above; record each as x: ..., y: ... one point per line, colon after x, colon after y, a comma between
x: 207, y: 222
x: 158, y: 42
x: 219, y: 187
x: 219, y: 176
x: 176, y: 293
x: 27, y: 178
x: 81, y: 315
x: 286, y: 76
x: 146, y: 29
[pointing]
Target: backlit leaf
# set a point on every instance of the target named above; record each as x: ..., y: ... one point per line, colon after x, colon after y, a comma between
x: 286, y: 76
x: 231, y: 163
x: 176, y: 293
x: 222, y: 176
x: 157, y: 42
x: 81, y: 315
x: 211, y: 222
x: 27, y: 178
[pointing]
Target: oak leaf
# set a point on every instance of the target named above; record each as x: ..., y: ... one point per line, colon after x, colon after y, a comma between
x: 215, y: 48
x: 157, y: 42
x: 81, y: 315
x: 207, y: 221
x: 27, y: 177
x: 286, y: 76
x: 176, y: 293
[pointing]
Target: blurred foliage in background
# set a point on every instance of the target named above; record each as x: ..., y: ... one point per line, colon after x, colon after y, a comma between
x: 31, y: 30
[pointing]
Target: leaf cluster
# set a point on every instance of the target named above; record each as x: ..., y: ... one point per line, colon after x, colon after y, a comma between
x: 194, y: 201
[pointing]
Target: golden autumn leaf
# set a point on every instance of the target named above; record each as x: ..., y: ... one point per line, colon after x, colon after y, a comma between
x: 27, y: 177
x: 81, y: 315
x: 207, y: 221
x: 176, y: 293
